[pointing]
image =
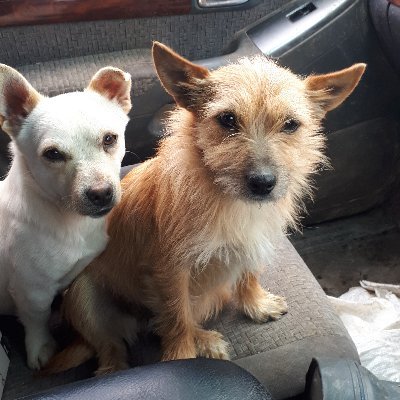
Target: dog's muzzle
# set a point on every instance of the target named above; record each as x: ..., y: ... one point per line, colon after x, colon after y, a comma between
x: 100, y: 198
x: 260, y: 186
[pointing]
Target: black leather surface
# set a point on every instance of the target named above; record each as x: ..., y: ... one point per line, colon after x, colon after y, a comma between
x: 335, y: 378
x: 386, y: 19
x: 198, y: 379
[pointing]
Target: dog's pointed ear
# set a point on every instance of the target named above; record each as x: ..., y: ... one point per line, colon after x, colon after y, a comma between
x: 17, y: 99
x: 115, y: 85
x: 179, y: 76
x: 330, y: 90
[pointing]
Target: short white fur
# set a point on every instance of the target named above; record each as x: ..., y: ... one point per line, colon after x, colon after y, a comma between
x: 45, y: 237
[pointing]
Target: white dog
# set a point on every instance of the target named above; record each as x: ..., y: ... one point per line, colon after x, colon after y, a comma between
x: 67, y: 153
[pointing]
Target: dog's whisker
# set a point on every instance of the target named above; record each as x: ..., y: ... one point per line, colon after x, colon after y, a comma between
x: 230, y: 136
x: 131, y: 152
x: 249, y: 139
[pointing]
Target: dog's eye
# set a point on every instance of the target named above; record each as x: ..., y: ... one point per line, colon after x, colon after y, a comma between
x: 228, y: 120
x: 109, y: 139
x: 290, y: 125
x: 54, y: 155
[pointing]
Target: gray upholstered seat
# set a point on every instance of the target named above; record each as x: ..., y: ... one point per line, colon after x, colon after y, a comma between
x: 279, y: 353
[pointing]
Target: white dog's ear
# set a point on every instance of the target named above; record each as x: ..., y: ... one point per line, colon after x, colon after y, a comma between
x: 115, y: 85
x: 330, y: 90
x: 17, y: 99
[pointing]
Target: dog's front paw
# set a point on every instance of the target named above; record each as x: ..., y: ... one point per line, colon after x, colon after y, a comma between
x: 179, y: 350
x: 38, y: 354
x: 265, y: 308
x: 210, y: 344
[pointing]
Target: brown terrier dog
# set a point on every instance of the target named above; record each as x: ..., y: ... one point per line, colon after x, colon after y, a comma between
x: 197, y: 222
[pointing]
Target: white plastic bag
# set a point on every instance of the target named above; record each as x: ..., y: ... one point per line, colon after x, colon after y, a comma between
x: 373, y: 322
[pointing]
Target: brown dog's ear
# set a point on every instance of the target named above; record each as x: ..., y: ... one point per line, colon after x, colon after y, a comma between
x: 115, y: 85
x: 332, y: 89
x: 17, y: 99
x: 177, y: 75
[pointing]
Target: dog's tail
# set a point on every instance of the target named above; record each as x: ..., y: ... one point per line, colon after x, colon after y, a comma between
x: 78, y: 352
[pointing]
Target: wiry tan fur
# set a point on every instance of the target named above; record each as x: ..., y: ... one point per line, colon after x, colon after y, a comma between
x: 187, y: 235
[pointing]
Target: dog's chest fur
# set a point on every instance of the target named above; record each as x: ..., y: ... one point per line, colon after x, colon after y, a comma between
x: 242, y: 238
x: 42, y: 244
x: 213, y: 233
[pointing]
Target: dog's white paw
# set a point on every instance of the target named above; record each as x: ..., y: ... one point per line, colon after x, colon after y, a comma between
x: 265, y: 308
x: 210, y: 344
x: 38, y: 354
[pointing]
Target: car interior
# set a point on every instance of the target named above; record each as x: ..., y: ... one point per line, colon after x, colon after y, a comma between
x: 350, y: 232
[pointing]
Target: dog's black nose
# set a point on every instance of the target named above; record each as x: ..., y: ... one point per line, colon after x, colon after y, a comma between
x: 261, y: 185
x: 100, y: 195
